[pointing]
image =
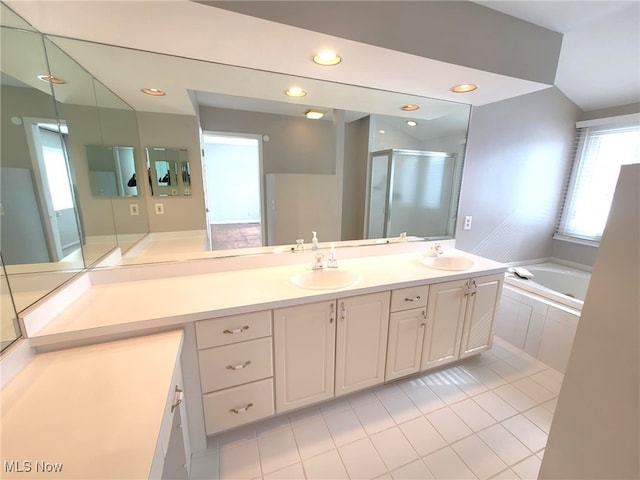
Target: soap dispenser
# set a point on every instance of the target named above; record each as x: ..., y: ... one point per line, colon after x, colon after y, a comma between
x: 314, y: 241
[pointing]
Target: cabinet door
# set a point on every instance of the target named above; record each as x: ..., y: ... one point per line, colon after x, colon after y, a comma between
x: 361, y: 341
x: 404, y: 348
x: 484, y: 295
x: 304, y: 344
x: 445, y: 317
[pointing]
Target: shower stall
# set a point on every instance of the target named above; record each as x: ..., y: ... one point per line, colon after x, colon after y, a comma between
x: 412, y: 191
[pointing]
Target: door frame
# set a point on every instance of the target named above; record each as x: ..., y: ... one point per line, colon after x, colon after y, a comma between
x: 261, y: 180
x: 43, y: 193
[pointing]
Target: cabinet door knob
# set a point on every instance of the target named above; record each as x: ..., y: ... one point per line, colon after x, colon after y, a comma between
x: 239, y: 366
x: 241, y: 410
x: 343, y: 310
x: 237, y: 330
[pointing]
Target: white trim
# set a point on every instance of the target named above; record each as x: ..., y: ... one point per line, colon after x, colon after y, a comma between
x: 617, y: 120
x: 14, y: 359
x: 581, y: 241
x: 36, y: 317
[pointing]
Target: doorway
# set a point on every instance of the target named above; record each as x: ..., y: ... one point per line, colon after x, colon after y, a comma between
x: 232, y: 167
x: 47, y: 143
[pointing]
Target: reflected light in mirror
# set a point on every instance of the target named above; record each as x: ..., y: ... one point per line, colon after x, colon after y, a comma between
x: 154, y: 92
x: 295, y: 92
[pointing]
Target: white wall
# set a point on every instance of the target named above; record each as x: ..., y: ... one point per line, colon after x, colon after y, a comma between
x: 233, y: 183
x: 596, y: 428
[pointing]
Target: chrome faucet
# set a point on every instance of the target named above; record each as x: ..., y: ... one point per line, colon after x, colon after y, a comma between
x: 300, y: 244
x: 318, y: 262
x: 435, y: 250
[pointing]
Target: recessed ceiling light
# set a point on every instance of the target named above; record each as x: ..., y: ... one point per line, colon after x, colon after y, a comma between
x: 412, y: 123
x: 410, y: 108
x: 327, y: 58
x: 51, y: 79
x: 382, y: 131
x: 154, y: 92
x: 295, y: 92
x: 463, y: 88
x: 314, y: 114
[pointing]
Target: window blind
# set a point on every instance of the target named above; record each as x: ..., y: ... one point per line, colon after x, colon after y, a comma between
x: 599, y: 152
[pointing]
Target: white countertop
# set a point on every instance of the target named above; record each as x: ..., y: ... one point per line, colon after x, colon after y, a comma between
x: 96, y: 410
x: 126, y: 306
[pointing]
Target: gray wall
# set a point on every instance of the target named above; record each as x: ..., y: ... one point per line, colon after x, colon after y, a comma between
x: 174, y: 131
x: 355, y: 178
x: 296, y: 144
x: 515, y: 171
x: 462, y: 33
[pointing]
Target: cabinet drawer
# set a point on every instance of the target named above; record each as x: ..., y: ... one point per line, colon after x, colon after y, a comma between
x: 238, y: 405
x: 408, y: 298
x: 231, y: 365
x: 237, y: 328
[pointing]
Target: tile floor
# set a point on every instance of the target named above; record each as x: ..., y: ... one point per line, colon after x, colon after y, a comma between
x: 485, y: 417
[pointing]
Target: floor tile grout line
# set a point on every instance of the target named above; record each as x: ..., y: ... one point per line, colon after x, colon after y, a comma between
x: 537, y: 370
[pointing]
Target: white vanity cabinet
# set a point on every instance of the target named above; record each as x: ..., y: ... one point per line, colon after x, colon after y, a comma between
x: 481, y: 309
x: 236, y: 369
x: 460, y: 316
x: 304, y: 342
x: 406, y: 331
x: 320, y: 345
x: 174, y: 438
x: 361, y: 341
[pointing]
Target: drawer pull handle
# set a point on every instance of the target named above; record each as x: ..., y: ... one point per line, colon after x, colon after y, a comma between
x: 237, y: 330
x: 412, y: 299
x: 241, y: 410
x: 179, y: 395
x: 240, y: 366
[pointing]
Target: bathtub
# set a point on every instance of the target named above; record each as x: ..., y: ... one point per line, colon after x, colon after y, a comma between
x: 541, y: 315
x: 558, y: 283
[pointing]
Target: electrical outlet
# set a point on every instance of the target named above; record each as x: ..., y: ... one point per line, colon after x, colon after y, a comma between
x: 159, y: 209
x: 467, y: 222
x: 133, y: 209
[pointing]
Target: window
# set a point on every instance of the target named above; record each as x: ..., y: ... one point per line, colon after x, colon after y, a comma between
x: 600, y: 152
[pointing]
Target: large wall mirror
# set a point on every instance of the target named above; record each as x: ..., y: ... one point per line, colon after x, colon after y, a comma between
x: 52, y: 226
x: 314, y: 174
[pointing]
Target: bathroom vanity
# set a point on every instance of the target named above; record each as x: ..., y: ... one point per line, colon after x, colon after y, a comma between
x: 258, y: 341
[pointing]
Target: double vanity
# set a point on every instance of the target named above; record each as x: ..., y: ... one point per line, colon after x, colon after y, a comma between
x: 266, y: 334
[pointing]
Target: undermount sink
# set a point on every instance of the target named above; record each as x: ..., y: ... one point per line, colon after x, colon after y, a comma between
x: 326, y: 279
x: 449, y: 262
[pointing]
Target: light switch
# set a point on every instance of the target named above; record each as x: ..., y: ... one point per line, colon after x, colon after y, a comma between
x: 159, y: 209
x: 133, y: 209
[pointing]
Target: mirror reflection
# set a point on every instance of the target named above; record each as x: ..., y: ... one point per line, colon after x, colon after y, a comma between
x: 312, y: 175
x: 412, y: 190
x: 169, y: 172
x: 112, y: 171
x: 9, y: 327
x: 52, y: 225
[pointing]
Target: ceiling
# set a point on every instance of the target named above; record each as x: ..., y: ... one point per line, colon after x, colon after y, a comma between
x: 599, y: 62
